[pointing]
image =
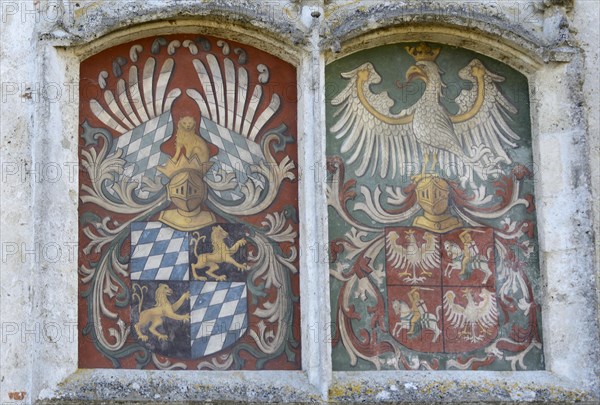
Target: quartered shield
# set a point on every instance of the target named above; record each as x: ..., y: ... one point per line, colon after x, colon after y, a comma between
x: 441, y: 288
x: 188, y: 289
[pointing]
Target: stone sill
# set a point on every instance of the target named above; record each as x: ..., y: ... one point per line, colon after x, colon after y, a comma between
x: 458, y: 387
x: 168, y: 386
x: 293, y: 387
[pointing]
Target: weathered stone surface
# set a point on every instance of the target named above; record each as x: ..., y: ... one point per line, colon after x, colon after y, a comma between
x: 42, y: 45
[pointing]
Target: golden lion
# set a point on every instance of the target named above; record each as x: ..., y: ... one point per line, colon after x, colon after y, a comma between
x: 163, y: 309
x: 186, y: 138
x: 221, y: 253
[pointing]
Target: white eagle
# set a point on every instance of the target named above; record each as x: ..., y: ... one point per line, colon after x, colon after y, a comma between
x: 483, y: 314
x: 425, y: 256
x: 392, y: 144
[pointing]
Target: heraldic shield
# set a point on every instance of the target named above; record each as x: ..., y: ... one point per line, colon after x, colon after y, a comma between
x: 189, y: 295
x: 441, y: 288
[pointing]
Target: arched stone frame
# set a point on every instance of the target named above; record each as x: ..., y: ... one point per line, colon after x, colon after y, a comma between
x: 559, y: 239
x: 554, y: 136
x: 65, y: 380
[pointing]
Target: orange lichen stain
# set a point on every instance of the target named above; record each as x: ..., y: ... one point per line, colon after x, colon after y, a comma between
x: 80, y: 12
x: 17, y: 395
x: 337, y: 391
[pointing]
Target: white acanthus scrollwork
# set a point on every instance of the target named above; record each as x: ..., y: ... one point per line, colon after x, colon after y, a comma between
x: 275, y: 224
x: 353, y: 352
x: 334, y: 202
x: 102, y: 168
x: 372, y: 206
x: 105, y: 285
x: 513, y: 282
x: 359, y: 242
x: 515, y: 200
x: 167, y: 365
x: 220, y: 363
x: 271, y: 267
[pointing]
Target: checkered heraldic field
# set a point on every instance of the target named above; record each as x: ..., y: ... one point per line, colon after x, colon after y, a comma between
x: 188, y: 253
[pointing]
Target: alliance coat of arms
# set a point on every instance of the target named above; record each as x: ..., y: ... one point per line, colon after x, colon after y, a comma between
x: 431, y: 213
x: 188, y: 216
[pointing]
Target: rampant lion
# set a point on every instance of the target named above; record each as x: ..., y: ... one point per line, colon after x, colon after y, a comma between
x: 221, y: 253
x: 163, y: 309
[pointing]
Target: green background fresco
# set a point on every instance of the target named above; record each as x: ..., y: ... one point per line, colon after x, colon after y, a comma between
x: 391, y: 62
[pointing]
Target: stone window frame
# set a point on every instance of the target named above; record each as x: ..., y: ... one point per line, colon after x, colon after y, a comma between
x: 571, y: 370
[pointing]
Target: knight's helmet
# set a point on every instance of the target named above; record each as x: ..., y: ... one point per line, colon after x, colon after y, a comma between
x: 433, y: 195
x: 187, y: 190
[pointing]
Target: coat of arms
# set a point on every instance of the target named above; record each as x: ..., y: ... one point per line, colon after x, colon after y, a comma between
x: 189, y: 248
x: 437, y: 281
x: 181, y: 307
x: 431, y: 213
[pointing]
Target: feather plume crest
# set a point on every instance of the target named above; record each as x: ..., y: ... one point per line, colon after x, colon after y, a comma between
x: 139, y: 99
x: 226, y: 96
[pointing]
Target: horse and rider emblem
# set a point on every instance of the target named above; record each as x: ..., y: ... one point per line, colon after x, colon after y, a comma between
x: 431, y: 212
x: 441, y: 290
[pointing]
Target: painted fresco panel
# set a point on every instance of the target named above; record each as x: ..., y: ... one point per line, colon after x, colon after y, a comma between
x: 433, y: 246
x: 188, y: 208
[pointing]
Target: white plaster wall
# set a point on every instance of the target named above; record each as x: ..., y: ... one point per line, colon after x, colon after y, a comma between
x: 586, y: 16
x: 18, y: 70
x: 40, y: 48
x: 56, y: 222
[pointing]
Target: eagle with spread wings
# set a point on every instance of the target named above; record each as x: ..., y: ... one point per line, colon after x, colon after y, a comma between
x: 391, y: 144
x: 482, y: 315
x: 424, y: 256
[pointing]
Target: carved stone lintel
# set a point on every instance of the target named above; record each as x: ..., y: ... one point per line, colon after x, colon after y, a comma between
x: 557, y: 32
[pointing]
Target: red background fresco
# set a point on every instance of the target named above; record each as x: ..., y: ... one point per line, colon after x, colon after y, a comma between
x: 433, y: 288
x: 282, y: 81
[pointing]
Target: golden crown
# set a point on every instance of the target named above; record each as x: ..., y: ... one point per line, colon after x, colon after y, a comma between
x: 184, y: 164
x: 423, y: 52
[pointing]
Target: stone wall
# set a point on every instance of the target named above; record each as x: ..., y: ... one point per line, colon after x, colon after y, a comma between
x: 554, y: 43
